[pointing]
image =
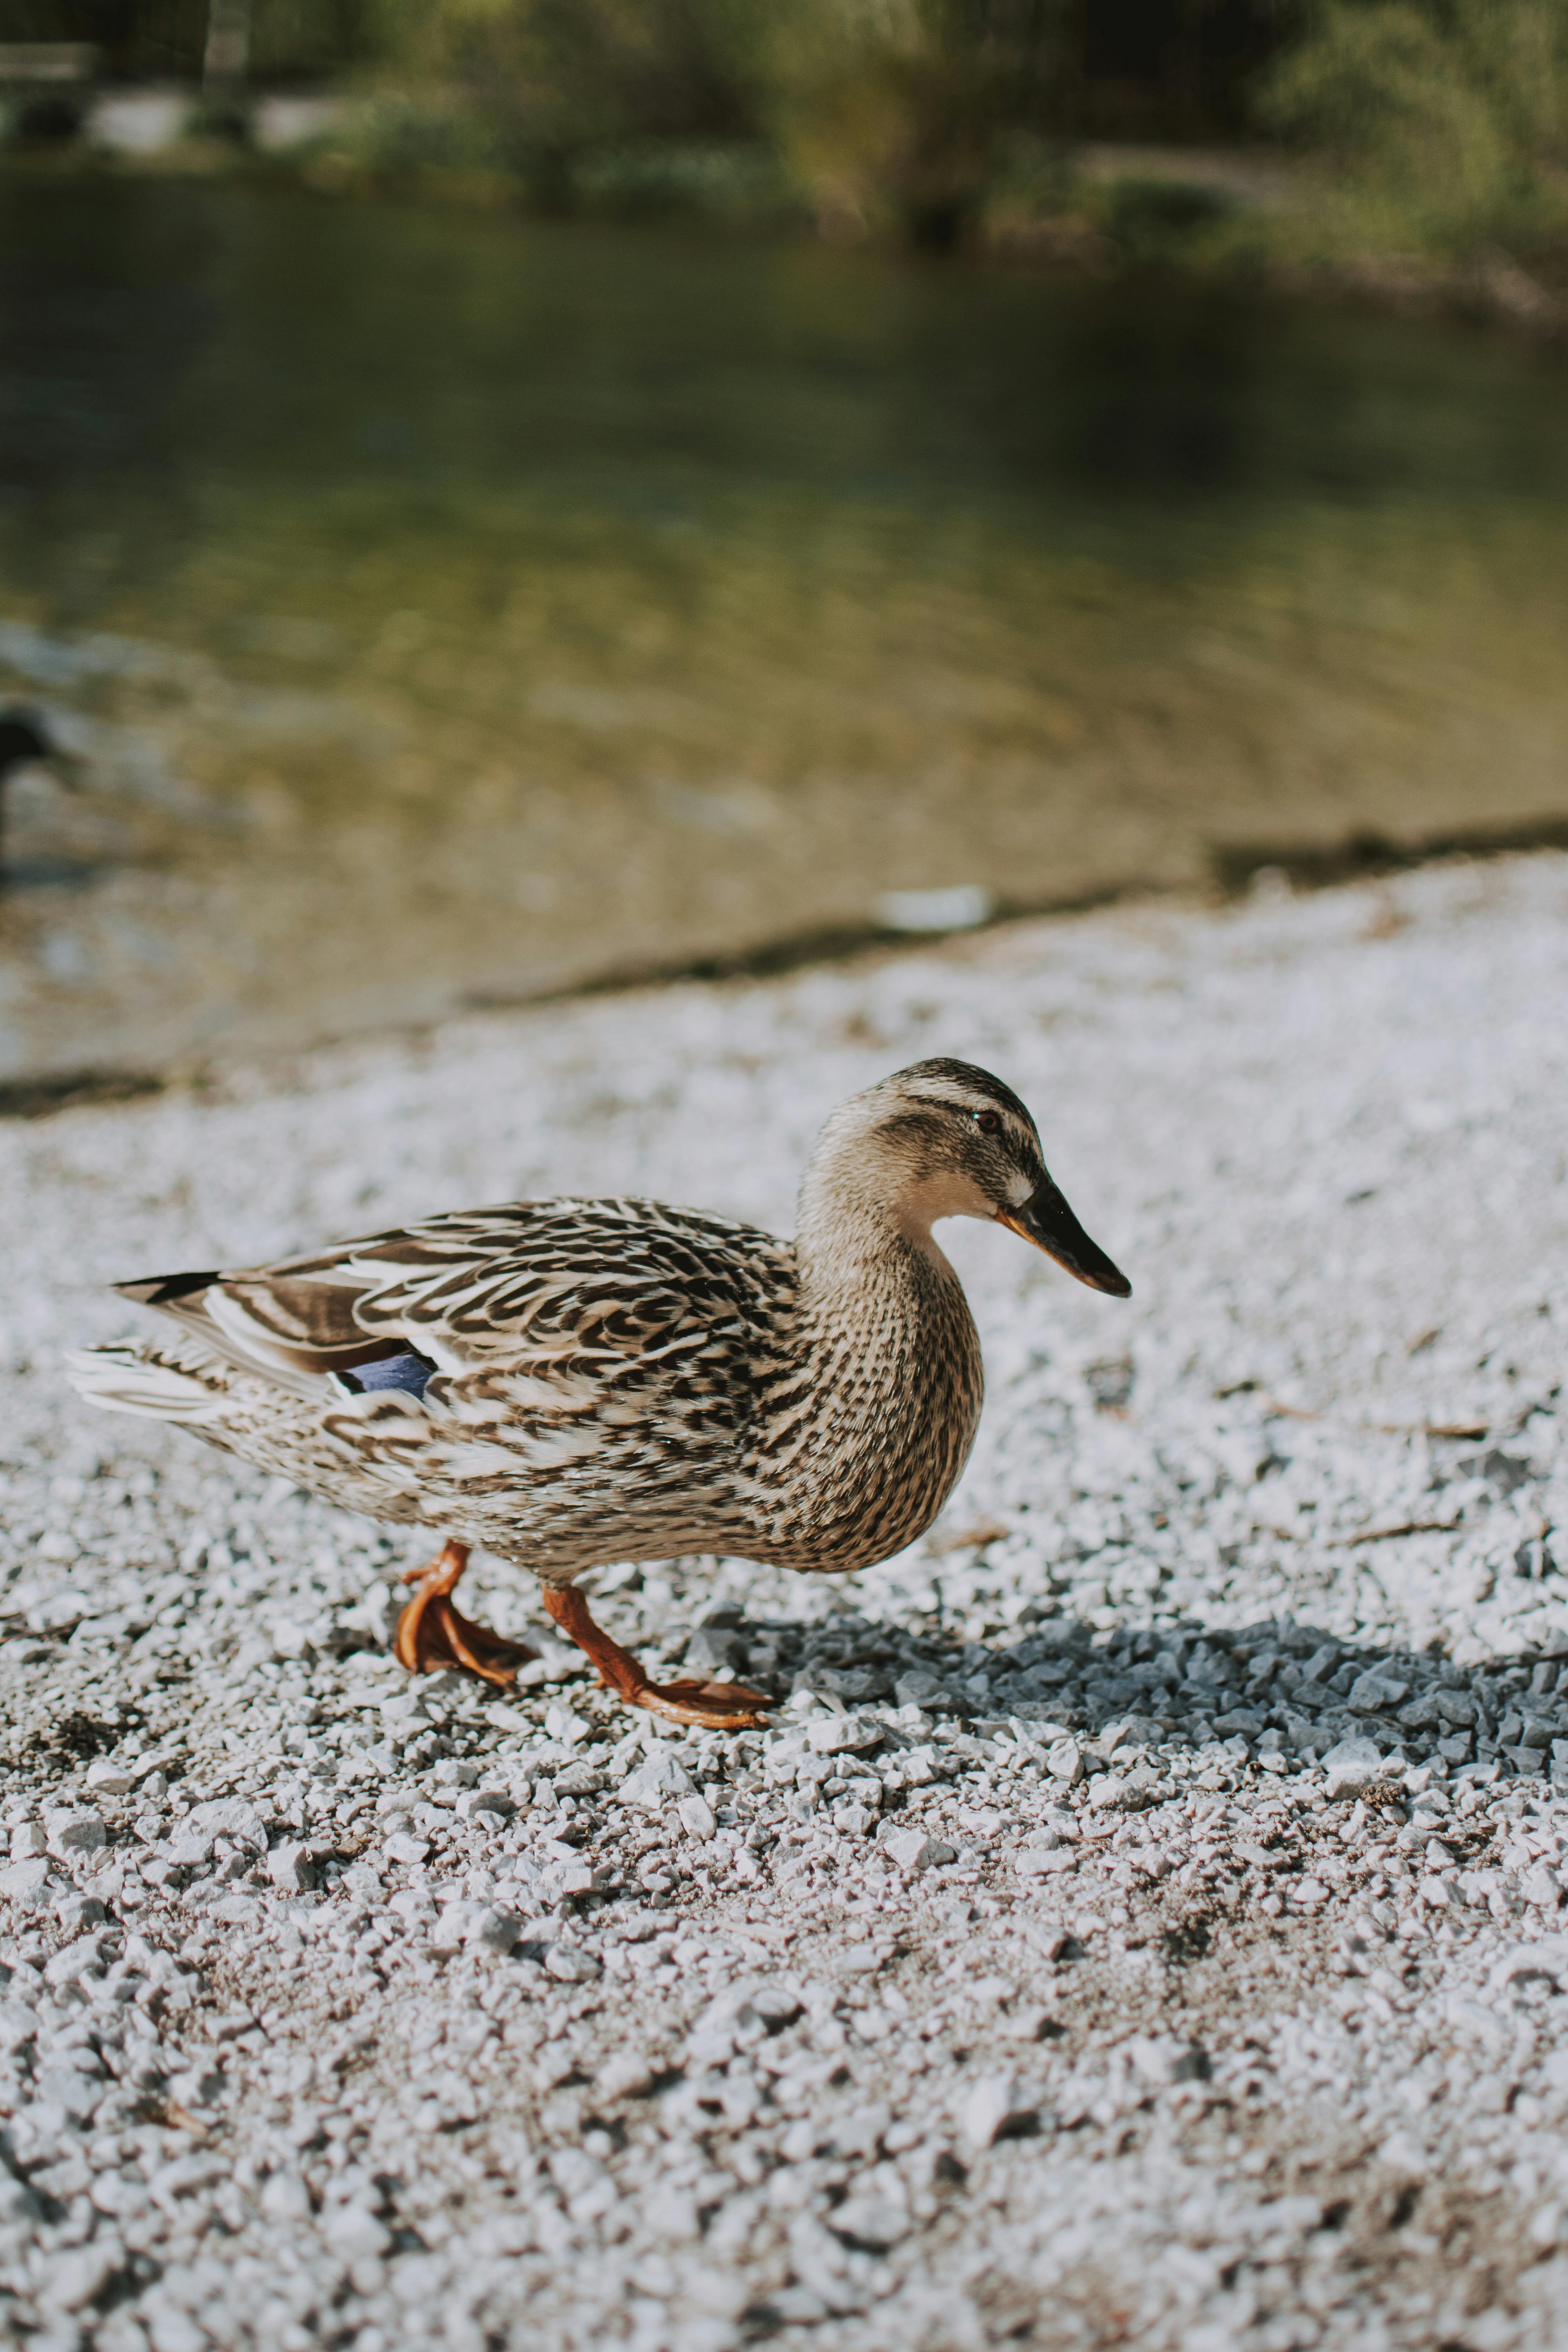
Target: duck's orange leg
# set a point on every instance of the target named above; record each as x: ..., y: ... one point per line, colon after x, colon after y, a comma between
x: 431, y: 1636
x: 719, y: 1706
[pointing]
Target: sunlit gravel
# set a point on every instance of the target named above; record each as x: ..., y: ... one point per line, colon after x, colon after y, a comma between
x: 1141, y: 1920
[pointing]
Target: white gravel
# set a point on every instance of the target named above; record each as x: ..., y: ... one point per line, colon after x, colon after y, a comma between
x: 1141, y: 1922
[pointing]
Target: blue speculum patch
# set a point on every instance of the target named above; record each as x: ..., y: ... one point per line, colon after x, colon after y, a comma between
x: 409, y: 1372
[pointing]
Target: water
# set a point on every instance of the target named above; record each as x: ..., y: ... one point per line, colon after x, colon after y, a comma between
x: 454, y: 607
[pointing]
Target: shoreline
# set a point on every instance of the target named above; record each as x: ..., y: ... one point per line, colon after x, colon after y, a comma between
x: 1237, y: 871
x: 1488, y: 286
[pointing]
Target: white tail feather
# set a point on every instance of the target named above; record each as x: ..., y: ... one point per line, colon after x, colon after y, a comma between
x: 123, y: 1380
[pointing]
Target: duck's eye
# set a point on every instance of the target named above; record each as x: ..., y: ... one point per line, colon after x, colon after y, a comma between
x: 987, y: 1122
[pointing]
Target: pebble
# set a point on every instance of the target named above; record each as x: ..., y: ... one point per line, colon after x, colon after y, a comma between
x: 697, y: 1817
x: 995, y: 2104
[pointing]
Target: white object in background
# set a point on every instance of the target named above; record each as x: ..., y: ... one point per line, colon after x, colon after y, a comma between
x: 137, y: 122
x: 960, y: 909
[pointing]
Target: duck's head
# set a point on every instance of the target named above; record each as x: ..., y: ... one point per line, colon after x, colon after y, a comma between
x: 943, y: 1138
x: 26, y: 742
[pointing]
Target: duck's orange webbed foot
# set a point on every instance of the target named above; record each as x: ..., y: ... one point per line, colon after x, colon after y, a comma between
x: 717, y: 1707
x: 433, y: 1635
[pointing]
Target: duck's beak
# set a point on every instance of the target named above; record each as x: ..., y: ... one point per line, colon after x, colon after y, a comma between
x: 1046, y: 1220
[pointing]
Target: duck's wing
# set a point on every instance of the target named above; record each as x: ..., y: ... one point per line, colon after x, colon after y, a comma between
x: 547, y: 1308
x: 294, y: 1321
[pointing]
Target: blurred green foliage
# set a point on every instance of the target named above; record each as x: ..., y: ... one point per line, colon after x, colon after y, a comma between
x: 897, y: 112
x: 1437, y: 125
x: 1433, y: 126
x: 877, y: 113
x: 1447, y: 118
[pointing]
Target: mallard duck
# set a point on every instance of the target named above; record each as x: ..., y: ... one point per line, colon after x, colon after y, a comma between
x: 571, y: 1382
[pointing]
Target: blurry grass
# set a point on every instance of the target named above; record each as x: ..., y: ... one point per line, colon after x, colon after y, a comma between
x: 1445, y: 126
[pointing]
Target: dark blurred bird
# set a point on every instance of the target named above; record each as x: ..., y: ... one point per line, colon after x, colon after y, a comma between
x: 26, y: 742
x: 575, y: 1381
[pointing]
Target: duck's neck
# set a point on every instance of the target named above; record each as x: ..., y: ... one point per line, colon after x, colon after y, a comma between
x: 875, y: 1440
x: 852, y: 1238
x: 849, y: 1250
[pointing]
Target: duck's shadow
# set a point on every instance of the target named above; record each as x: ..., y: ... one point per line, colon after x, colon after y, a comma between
x: 1270, y: 1691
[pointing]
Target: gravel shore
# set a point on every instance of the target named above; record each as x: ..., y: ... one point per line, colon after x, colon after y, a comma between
x: 1140, y: 1920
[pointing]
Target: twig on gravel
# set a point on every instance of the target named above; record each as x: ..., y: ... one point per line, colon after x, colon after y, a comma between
x: 1406, y: 1528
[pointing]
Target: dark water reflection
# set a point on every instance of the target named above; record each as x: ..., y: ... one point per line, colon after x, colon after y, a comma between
x: 455, y: 605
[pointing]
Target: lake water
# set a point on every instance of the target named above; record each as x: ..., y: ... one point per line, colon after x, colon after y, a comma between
x: 453, y: 607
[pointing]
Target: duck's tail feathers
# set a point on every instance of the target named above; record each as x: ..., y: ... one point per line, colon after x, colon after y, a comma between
x: 128, y: 1379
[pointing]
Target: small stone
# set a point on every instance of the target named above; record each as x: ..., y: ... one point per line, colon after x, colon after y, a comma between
x: 353, y: 2232
x: 449, y: 1932
x: 17, y: 2203
x: 1064, y: 1762
x: 23, y: 1880
x: 841, y: 1735
x: 920, y: 1687
x: 571, y: 1965
x: 1044, y: 1857
x: 78, y: 2277
x: 698, y: 1818
x: 291, y: 1867
x: 914, y: 1850
x: 75, y: 1960
x: 994, y: 2106
x: 653, y: 1783
x: 75, y: 1831
x: 480, y: 1924
x: 624, y: 2076
x: 404, y: 1848
x: 713, y: 1651
x: 1162, y: 2059
x: 285, y: 2197
x: 108, y: 1780
x: 1404, y: 2155
x: 67, y: 2087
x: 76, y: 1912
x: 1374, y: 1689
x: 172, y: 2331
x: 1546, y: 1957
x: 859, y: 2133
x: 474, y: 1801
x: 27, y: 1838
x: 1352, y: 1766
x: 18, y: 2026
x: 797, y: 2306
x: 875, y: 2222
x: 1143, y: 1731
x: 859, y: 1961
x: 1124, y: 1792
x: 231, y: 1818
x: 190, y: 1848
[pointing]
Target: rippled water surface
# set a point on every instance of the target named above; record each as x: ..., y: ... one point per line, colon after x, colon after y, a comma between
x: 452, y: 608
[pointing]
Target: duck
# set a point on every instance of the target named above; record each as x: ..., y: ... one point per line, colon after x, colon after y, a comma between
x: 576, y: 1382
x: 26, y: 742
